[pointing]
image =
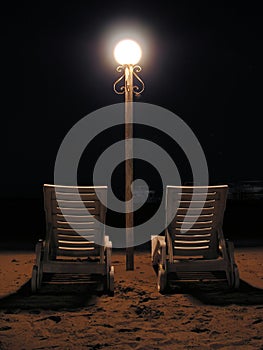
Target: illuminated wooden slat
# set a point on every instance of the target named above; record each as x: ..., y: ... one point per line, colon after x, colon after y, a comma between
x: 76, y: 242
x: 190, y: 216
x: 76, y: 248
x: 75, y: 211
x: 76, y: 204
x: 193, y: 236
x: 196, y: 204
x: 197, y: 194
x: 191, y: 223
x: 76, y: 237
x: 75, y: 196
x: 191, y: 248
x: 78, y: 225
x: 194, y: 229
x: 74, y: 218
x: 73, y: 189
x: 191, y: 242
x: 194, y: 210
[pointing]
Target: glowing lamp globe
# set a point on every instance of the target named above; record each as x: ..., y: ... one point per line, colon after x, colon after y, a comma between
x: 127, y: 52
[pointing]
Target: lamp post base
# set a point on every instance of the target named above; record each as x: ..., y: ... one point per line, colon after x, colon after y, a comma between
x: 130, y: 259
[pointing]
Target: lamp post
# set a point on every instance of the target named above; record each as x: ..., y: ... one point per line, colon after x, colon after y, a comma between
x: 128, y: 53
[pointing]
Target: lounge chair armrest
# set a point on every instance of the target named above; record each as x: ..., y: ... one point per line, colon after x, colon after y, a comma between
x: 40, y: 243
x: 107, y: 242
x: 163, y: 252
x: 158, y: 250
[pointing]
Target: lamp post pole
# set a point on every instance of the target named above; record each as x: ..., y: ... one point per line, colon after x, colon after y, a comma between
x: 126, y: 50
x: 129, y: 166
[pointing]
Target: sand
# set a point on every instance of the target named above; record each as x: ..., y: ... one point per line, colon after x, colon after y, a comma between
x: 192, y: 316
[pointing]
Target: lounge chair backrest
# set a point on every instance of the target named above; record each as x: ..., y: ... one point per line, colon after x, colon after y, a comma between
x: 194, y: 220
x: 75, y: 220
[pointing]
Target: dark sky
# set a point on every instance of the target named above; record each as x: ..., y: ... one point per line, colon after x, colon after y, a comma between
x: 201, y: 61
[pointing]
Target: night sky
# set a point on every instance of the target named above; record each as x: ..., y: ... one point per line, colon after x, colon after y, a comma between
x: 202, y: 62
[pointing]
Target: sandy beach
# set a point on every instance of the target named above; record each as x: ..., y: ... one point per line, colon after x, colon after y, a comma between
x: 192, y: 316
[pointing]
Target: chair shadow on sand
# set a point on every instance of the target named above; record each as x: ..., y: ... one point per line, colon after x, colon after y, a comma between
x: 218, y: 293
x: 51, y: 297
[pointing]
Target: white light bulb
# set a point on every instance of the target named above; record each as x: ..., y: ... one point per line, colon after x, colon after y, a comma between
x: 127, y: 52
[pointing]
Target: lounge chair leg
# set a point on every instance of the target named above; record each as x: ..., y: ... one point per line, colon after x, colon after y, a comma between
x: 37, y: 272
x: 35, y: 279
x: 236, y: 281
x: 229, y: 277
x: 162, y: 280
x: 110, y: 281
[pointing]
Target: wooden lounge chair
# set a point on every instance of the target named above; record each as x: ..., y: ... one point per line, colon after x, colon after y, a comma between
x: 75, y: 243
x: 194, y: 247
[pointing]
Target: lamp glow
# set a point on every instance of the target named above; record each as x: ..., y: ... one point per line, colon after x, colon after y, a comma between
x: 127, y: 52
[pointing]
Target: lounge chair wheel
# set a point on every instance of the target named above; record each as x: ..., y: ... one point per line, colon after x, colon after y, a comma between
x: 162, y: 280
x: 236, y: 281
x: 110, y: 281
x: 34, y: 279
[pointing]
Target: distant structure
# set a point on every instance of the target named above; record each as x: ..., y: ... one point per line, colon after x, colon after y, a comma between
x: 142, y: 192
x: 246, y: 190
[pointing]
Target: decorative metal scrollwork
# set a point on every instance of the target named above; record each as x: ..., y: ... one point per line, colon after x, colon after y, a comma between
x: 136, y: 89
x: 120, y: 89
